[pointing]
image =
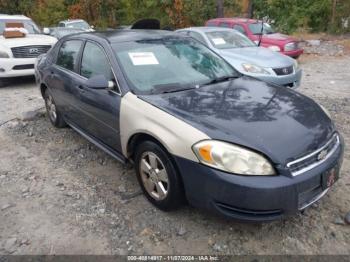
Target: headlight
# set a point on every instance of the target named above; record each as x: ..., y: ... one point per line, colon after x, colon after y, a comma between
x: 250, y: 68
x: 4, y: 54
x: 291, y: 46
x: 275, y: 48
x: 233, y: 159
x: 325, y: 111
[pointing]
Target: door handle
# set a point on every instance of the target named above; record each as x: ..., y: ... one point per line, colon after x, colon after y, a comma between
x: 80, y: 87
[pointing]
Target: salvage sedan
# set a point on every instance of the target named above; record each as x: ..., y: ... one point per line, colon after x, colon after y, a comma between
x: 194, y: 128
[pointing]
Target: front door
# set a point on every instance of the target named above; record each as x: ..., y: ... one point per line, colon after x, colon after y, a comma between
x: 100, y: 108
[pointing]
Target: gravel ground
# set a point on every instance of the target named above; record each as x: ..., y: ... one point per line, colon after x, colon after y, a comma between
x: 59, y: 194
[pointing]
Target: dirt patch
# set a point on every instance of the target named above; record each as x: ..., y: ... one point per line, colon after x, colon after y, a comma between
x: 59, y: 194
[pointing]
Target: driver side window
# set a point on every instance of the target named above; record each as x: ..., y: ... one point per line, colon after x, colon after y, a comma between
x: 94, y: 62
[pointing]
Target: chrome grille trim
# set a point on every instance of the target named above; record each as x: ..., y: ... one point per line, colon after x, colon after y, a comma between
x: 313, y: 200
x: 24, y: 51
x: 283, y: 71
x: 317, y: 163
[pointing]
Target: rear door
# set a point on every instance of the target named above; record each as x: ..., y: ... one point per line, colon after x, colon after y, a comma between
x: 63, y: 78
x: 99, y: 107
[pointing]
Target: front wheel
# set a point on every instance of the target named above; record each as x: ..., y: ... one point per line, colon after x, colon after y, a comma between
x: 158, y: 177
x: 3, y: 82
x: 54, y: 114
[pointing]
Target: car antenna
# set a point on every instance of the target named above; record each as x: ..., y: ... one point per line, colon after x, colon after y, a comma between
x: 262, y: 31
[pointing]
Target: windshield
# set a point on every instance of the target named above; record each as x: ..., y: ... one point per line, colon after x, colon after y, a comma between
x: 228, y: 39
x: 80, y: 25
x: 28, y: 24
x: 256, y: 29
x: 169, y: 64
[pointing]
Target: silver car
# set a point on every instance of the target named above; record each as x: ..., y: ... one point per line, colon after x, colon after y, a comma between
x: 248, y: 58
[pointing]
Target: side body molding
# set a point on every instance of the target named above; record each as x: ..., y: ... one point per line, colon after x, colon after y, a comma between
x: 138, y: 116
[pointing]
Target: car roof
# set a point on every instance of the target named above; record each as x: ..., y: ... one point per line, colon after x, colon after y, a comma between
x: 72, y: 21
x: 14, y: 17
x: 66, y: 29
x: 205, y: 29
x: 235, y: 19
x: 125, y: 35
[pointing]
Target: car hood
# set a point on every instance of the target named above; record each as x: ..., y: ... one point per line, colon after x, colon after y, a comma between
x: 279, y: 122
x: 277, y: 37
x: 256, y: 55
x: 31, y: 39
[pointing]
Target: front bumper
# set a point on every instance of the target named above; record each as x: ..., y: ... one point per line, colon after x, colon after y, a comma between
x: 255, y: 198
x: 13, y: 67
x: 292, y: 80
x: 294, y: 53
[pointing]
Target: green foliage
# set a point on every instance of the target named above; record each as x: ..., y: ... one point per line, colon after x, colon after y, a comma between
x: 288, y: 16
x: 50, y: 12
x: 312, y: 15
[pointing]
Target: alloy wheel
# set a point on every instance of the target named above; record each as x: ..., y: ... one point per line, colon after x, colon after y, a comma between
x: 51, y: 108
x: 154, y: 176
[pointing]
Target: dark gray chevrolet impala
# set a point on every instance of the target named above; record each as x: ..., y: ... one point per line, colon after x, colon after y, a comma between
x: 195, y: 129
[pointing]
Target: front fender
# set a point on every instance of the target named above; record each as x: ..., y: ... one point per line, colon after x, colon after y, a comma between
x: 138, y: 116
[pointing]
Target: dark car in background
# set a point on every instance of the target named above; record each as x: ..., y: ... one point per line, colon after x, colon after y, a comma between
x: 261, y: 32
x: 194, y: 128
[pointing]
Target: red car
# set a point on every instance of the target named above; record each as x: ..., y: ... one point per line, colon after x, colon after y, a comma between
x: 253, y: 28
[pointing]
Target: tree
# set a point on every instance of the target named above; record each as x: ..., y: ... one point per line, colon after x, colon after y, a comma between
x: 49, y: 12
x: 220, y: 8
x: 247, y: 8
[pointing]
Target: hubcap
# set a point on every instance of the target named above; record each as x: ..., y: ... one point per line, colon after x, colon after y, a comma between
x: 51, y: 108
x: 154, y: 176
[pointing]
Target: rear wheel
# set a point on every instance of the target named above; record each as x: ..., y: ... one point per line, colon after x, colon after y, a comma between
x: 158, y: 177
x: 54, y: 114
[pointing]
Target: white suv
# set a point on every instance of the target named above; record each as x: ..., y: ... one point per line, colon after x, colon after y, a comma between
x: 18, y: 55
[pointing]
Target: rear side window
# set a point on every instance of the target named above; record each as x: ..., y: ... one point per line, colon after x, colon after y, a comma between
x: 211, y: 24
x: 68, y: 54
x: 224, y: 24
x: 240, y: 29
x: 198, y: 37
x: 94, y: 62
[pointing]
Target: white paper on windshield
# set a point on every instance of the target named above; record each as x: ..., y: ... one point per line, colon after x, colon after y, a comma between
x: 219, y: 41
x: 144, y: 58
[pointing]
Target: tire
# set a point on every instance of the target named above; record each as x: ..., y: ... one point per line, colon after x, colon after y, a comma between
x: 53, y: 112
x: 151, y: 161
x: 3, y: 82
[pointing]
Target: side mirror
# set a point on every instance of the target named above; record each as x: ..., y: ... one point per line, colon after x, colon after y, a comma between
x: 99, y: 82
x: 46, y: 31
x: 92, y: 27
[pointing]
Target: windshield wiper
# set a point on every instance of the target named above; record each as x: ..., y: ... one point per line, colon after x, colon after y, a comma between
x: 219, y: 80
x: 177, y: 90
x: 169, y: 88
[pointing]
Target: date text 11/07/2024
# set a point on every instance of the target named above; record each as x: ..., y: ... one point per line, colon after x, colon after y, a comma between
x: 173, y: 258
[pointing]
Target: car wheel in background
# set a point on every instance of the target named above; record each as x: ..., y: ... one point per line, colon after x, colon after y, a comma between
x: 4, y: 82
x: 158, y: 177
x: 54, y: 114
